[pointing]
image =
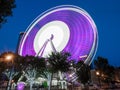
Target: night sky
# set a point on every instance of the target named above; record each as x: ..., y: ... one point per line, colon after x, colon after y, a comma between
x: 105, y: 13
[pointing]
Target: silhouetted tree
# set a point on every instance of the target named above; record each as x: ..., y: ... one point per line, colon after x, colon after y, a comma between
x: 101, y: 64
x: 6, y: 7
x: 59, y: 63
x: 12, y: 66
x: 31, y: 67
x: 105, y: 70
x: 83, y: 73
x: 2, y: 66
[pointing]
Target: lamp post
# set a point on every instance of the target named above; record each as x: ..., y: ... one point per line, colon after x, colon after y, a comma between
x: 9, y: 58
x: 98, y: 75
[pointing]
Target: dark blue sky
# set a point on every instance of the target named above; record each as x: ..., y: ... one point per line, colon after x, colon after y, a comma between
x: 105, y: 13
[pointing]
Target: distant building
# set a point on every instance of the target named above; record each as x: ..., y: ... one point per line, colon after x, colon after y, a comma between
x: 117, y: 74
x: 94, y: 77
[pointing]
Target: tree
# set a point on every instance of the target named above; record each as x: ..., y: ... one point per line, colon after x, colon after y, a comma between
x: 31, y: 67
x: 83, y: 72
x: 106, y: 71
x: 101, y: 64
x: 59, y: 63
x: 2, y: 69
x: 16, y: 67
x: 2, y: 66
x: 12, y: 67
x: 109, y: 75
x: 6, y: 7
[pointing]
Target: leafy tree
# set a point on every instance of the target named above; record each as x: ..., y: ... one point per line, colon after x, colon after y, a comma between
x: 59, y: 63
x: 11, y: 68
x: 109, y: 74
x: 19, y: 67
x: 31, y: 67
x: 2, y: 69
x: 6, y: 7
x: 106, y: 71
x: 2, y: 66
x: 101, y: 64
x: 83, y: 72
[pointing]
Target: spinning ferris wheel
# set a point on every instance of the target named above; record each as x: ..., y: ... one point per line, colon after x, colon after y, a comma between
x: 64, y: 28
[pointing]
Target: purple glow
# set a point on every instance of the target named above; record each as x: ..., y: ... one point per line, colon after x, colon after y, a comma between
x: 83, y: 33
x: 20, y: 86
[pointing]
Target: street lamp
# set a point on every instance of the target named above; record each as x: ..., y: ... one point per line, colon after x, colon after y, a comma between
x: 98, y: 75
x: 9, y: 58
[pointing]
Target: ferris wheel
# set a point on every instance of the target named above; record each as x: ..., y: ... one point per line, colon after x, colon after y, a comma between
x: 65, y: 28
